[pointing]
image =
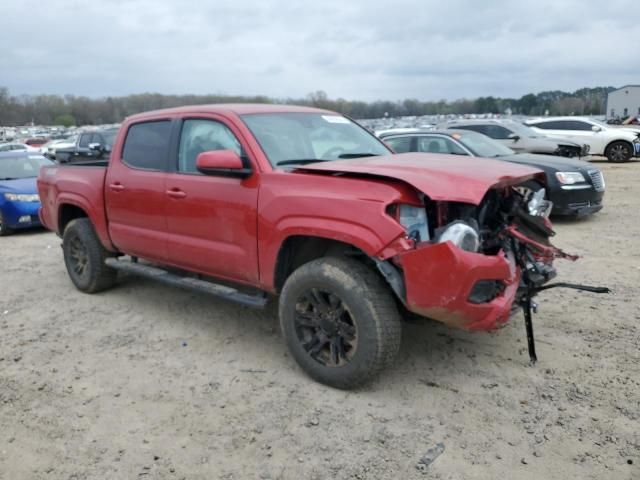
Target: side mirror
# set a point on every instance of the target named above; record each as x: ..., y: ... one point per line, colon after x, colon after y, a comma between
x: 95, y: 146
x: 514, y: 136
x: 221, y: 162
x: 596, y: 128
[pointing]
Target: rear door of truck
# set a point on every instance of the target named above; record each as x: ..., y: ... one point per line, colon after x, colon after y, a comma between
x: 135, y: 190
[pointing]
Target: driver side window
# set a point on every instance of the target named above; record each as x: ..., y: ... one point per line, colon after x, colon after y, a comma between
x: 203, y: 136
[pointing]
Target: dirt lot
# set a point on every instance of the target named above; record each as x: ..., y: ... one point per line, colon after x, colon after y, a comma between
x: 145, y: 381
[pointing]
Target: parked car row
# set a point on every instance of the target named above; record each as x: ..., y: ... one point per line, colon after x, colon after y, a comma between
x: 521, y: 138
x: 575, y: 187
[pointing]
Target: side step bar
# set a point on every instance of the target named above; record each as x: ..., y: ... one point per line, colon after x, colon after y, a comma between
x: 222, y: 291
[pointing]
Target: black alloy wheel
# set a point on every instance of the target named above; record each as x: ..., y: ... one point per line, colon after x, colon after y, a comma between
x: 325, y: 328
x: 619, y: 152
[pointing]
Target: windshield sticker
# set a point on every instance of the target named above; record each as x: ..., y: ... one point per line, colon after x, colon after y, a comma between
x: 335, y: 119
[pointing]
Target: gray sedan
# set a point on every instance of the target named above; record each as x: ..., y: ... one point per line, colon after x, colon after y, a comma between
x: 521, y: 138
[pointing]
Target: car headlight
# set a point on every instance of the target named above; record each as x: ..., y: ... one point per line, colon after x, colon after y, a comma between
x: 569, y: 178
x: 22, y: 197
x: 462, y: 235
x: 537, y: 204
x: 414, y: 220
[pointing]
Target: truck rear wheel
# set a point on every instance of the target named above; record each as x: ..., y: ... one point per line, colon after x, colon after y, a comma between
x: 84, y: 257
x: 340, y: 321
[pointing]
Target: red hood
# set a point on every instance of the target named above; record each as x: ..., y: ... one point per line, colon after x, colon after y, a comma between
x: 441, y: 177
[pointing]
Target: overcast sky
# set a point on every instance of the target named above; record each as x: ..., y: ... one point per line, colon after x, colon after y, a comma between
x: 355, y: 49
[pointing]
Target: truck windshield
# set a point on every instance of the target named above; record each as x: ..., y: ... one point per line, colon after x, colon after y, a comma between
x: 23, y: 166
x: 291, y: 138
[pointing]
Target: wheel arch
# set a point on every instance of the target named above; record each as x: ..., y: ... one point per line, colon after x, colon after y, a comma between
x: 68, y: 212
x: 71, y: 207
x: 298, y: 249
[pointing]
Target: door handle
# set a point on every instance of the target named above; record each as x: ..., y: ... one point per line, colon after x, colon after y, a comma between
x: 175, y: 193
x: 116, y: 187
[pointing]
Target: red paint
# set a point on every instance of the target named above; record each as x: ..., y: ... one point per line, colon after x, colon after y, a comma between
x: 234, y: 228
x: 440, y: 177
x: 439, y: 279
x: 221, y: 159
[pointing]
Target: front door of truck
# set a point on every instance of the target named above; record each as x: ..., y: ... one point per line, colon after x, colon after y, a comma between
x: 211, y: 220
x: 135, y: 192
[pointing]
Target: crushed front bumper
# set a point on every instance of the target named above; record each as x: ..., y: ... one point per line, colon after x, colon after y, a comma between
x: 440, y: 278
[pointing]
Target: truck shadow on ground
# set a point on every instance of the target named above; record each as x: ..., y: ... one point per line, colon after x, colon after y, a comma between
x: 427, y: 346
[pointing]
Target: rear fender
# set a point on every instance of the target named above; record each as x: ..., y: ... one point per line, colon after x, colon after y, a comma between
x: 98, y: 220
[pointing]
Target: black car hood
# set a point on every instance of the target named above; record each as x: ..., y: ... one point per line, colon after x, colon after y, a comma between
x: 549, y: 162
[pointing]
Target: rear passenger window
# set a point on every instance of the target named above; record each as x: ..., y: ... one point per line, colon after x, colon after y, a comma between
x: 147, y: 145
x: 474, y: 128
x: 542, y: 125
x: 399, y: 144
x: 435, y: 144
x: 84, y: 140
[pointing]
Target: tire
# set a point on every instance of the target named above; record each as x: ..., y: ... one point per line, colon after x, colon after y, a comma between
x: 619, y: 152
x: 4, y: 228
x: 84, y: 257
x: 359, y: 330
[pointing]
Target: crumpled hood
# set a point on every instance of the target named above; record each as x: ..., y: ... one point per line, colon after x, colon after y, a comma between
x: 441, y: 177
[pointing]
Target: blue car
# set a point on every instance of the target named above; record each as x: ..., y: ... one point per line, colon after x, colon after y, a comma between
x: 19, y: 201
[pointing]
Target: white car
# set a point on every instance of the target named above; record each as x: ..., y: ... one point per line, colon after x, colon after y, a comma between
x: 615, y: 143
x: 49, y: 149
x: 22, y: 147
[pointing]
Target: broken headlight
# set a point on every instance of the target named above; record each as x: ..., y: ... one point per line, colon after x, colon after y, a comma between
x: 462, y: 235
x: 414, y: 220
x: 538, y: 206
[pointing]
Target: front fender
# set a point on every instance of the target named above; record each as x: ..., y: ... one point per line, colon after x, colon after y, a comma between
x: 357, y: 235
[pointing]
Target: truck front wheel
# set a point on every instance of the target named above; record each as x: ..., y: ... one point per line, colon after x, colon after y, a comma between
x: 84, y: 257
x: 340, y: 321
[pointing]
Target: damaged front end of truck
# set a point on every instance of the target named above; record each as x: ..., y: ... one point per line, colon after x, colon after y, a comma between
x: 475, y: 247
x: 474, y: 266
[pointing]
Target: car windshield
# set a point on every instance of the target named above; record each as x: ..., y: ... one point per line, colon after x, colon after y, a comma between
x: 481, y: 145
x: 23, y: 166
x: 299, y: 138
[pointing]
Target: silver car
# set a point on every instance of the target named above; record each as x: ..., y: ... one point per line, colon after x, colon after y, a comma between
x: 521, y: 138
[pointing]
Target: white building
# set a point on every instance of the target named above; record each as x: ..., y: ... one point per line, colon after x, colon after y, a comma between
x: 624, y: 102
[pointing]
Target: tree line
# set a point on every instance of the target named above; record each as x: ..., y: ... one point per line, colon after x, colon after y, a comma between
x: 71, y: 110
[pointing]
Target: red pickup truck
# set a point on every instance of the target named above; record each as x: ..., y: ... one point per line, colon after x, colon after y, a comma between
x: 244, y: 201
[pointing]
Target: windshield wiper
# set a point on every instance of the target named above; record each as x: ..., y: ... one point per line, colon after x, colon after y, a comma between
x: 301, y: 161
x: 8, y: 178
x: 357, y: 155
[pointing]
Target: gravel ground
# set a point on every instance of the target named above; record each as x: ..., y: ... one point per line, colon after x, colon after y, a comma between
x: 146, y: 381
